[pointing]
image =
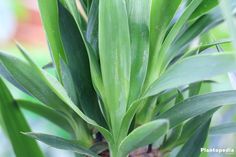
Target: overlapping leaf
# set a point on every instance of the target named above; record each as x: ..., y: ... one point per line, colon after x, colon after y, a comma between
x: 193, y: 146
x: 43, y: 86
x: 78, y: 64
x: 144, y: 135
x: 47, y: 113
x: 162, y: 12
x: 115, y: 57
x: 49, y: 15
x: 197, y: 105
x: 204, y: 66
x: 61, y: 143
x: 227, y: 128
x: 138, y: 15
x: 15, y: 123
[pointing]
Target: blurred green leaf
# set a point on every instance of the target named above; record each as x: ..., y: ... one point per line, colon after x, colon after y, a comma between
x: 44, y: 87
x: 227, y: 9
x: 227, y: 128
x: 175, y: 132
x: 194, y: 88
x: 203, y: 8
x: 27, y: 77
x: 99, y: 147
x: 4, y: 73
x: 61, y: 143
x: 15, y: 123
x: 47, y: 113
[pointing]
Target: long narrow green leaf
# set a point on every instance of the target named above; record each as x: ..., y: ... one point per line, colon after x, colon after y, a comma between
x: 203, y: 8
x: 15, y: 123
x: 115, y: 57
x: 164, y: 53
x: 68, y: 82
x: 78, y: 64
x: 144, y: 135
x: 44, y: 87
x: 93, y: 57
x: 227, y: 9
x: 58, y: 89
x: 27, y: 77
x: 49, y: 15
x: 188, y: 34
x: 175, y: 132
x: 46, y: 112
x: 200, y: 26
x: 195, y: 143
x: 92, y: 27
x: 192, y: 125
x: 72, y: 6
x: 138, y: 14
x: 61, y: 143
x: 162, y: 12
x: 4, y: 73
x: 201, y: 49
x: 197, y: 105
x: 181, y: 74
x: 227, y: 128
x: 204, y: 66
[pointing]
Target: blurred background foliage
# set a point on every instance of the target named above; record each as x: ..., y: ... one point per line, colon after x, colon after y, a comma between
x: 20, y: 21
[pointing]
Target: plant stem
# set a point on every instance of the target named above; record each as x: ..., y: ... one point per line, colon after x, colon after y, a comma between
x: 114, y: 151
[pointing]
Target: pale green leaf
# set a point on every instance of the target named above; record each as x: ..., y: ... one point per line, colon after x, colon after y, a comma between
x: 43, y: 86
x: 204, y: 67
x: 144, y: 135
x: 162, y: 12
x: 197, y: 105
x: 61, y: 143
x: 164, y: 53
x: 115, y: 58
x: 139, y: 15
x: 47, y: 113
x: 227, y: 128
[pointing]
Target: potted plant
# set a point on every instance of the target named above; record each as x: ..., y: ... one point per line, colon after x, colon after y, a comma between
x: 128, y: 81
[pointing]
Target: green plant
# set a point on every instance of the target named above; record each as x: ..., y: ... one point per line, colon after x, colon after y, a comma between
x: 126, y: 76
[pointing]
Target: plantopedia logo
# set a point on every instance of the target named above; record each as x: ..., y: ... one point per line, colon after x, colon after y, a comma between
x: 218, y: 150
